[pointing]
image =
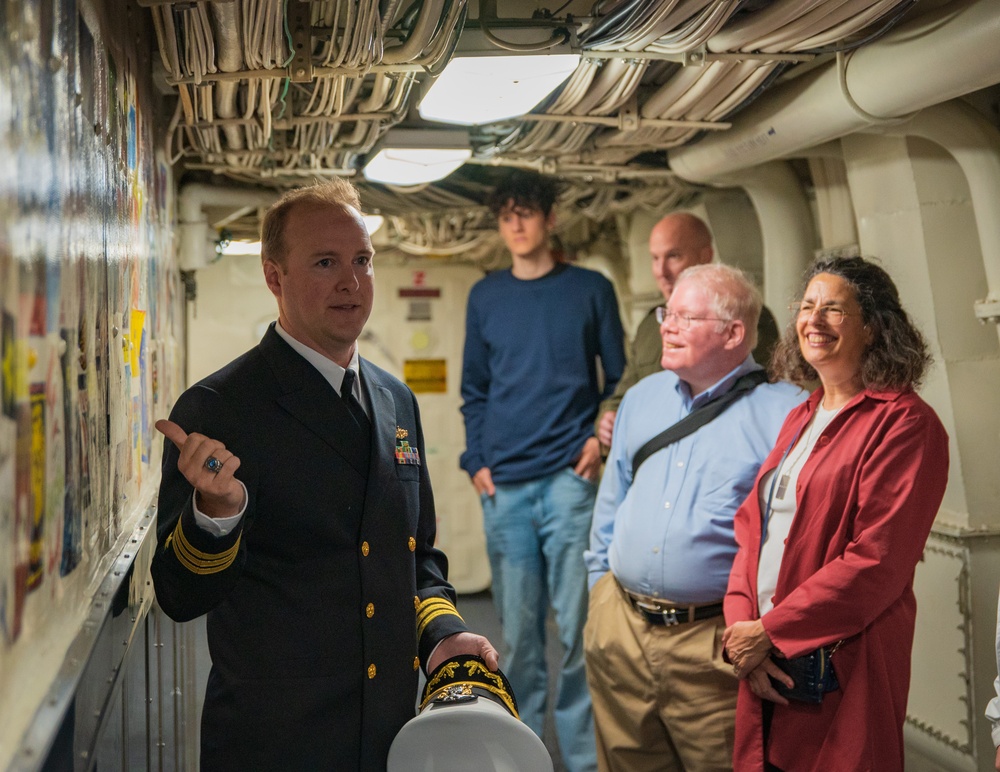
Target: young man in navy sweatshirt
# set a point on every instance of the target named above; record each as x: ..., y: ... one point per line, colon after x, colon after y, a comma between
x: 534, y: 335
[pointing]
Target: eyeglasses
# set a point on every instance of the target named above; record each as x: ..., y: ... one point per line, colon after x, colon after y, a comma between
x: 683, y: 321
x: 833, y: 315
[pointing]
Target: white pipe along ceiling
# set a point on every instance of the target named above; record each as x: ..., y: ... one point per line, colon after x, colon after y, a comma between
x: 974, y: 143
x: 944, y: 54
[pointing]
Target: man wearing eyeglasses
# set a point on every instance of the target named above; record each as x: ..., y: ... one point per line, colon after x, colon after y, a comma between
x: 662, y: 544
x: 678, y: 241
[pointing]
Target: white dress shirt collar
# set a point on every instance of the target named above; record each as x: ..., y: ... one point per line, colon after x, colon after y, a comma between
x: 329, y: 369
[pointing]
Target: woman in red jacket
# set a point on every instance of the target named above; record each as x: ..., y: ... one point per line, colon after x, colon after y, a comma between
x: 830, y: 536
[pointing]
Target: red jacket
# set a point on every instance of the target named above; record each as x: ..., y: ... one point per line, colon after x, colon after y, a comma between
x: 867, y: 497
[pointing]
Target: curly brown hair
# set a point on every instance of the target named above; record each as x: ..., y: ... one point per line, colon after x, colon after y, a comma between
x: 527, y: 189
x: 897, y: 358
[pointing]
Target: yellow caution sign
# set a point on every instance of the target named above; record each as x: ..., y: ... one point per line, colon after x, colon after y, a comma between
x: 426, y: 376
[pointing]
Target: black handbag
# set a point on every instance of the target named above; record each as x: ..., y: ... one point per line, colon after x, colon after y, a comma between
x: 812, y: 673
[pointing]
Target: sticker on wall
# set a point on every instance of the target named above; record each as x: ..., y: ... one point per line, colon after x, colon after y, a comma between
x: 145, y: 387
x: 55, y: 456
x: 8, y: 541
x: 419, y: 297
x: 137, y: 367
x: 70, y: 525
x: 22, y: 517
x: 36, y: 512
x: 420, y: 340
x: 33, y: 308
x: 7, y: 374
x: 419, y: 311
x: 426, y: 376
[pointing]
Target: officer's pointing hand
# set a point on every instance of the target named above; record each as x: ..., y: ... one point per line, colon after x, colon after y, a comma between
x: 209, y: 467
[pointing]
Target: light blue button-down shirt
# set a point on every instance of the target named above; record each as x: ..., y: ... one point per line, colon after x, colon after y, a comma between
x: 669, y: 532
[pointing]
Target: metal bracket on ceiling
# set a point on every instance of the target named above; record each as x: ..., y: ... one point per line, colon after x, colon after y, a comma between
x: 634, y: 121
x: 628, y: 115
x: 696, y: 57
x: 300, y: 69
x: 548, y: 166
x: 987, y: 310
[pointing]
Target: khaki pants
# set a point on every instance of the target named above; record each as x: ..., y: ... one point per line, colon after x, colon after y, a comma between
x: 663, y: 697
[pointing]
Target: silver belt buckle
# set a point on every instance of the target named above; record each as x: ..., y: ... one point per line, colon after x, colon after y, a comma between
x: 670, y: 617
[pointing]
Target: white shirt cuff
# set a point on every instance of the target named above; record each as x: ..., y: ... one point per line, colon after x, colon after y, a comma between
x: 219, y: 526
x: 431, y: 655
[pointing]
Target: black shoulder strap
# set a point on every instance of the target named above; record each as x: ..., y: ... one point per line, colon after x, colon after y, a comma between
x: 697, y: 418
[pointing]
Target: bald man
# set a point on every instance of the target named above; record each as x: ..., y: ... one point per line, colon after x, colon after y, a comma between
x: 678, y: 241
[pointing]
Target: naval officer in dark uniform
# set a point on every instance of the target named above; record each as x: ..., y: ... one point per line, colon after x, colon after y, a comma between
x: 296, y: 511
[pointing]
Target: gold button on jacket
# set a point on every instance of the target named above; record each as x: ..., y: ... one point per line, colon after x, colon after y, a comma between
x: 412, y: 544
x: 365, y: 548
x: 371, y: 670
x: 370, y: 610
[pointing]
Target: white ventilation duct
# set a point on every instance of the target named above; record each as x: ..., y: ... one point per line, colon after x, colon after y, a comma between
x: 195, y: 238
x: 786, y: 230
x: 938, y: 56
x: 974, y: 143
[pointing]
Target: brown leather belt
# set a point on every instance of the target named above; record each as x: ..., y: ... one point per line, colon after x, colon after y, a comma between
x: 658, y: 611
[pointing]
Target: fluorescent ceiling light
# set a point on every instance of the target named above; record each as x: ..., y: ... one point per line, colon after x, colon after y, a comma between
x: 413, y: 166
x: 484, y: 89
x: 240, y: 248
x: 416, y: 156
x: 373, y: 222
x: 252, y: 248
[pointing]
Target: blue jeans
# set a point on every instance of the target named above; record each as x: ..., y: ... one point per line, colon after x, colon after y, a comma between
x: 536, y: 533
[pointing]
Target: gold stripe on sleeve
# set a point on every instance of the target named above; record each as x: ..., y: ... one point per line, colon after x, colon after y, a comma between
x: 430, y: 609
x: 199, y: 562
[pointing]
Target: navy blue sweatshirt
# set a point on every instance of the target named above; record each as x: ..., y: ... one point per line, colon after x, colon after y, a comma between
x: 530, y: 375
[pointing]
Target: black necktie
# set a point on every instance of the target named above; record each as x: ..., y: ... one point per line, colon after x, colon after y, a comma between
x: 347, y: 394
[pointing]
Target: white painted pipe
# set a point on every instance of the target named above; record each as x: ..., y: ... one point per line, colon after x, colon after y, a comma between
x: 379, y: 93
x: 834, y: 206
x: 607, y: 78
x: 786, y: 229
x: 946, y: 52
x: 229, y: 58
x: 194, y: 233
x: 974, y: 143
x: 225, y: 27
x: 420, y: 36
